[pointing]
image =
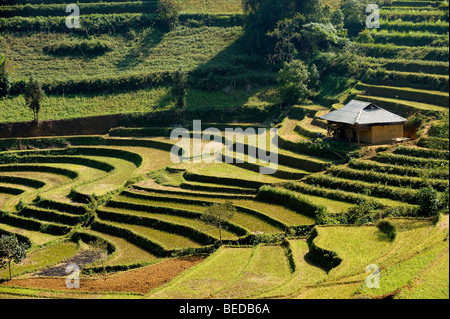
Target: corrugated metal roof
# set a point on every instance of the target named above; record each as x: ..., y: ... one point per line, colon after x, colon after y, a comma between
x: 359, y: 112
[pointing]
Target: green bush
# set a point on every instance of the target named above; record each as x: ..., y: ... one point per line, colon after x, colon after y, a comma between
x: 386, y: 178
x: 434, y: 142
x: 387, y: 228
x: 169, y: 11
x: 365, y: 188
x: 84, y: 47
x: 289, y: 199
x: 428, y: 200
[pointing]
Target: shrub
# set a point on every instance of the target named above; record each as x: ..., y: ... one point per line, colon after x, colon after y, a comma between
x: 428, y: 201
x: 363, y: 213
x: 293, y: 79
x: 388, y: 228
x: 169, y: 12
x: 5, y: 83
x: 84, y: 47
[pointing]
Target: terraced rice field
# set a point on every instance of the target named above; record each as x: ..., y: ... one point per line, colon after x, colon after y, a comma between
x: 60, y: 195
x: 410, y: 59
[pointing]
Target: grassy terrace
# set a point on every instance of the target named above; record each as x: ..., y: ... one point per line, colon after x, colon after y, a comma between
x: 148, y: 209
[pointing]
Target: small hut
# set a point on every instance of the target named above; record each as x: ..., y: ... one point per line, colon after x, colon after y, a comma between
x: 364, y: 122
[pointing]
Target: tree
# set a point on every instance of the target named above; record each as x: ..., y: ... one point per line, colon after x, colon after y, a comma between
x: 218, y: 214
x: 179, y: 88
x: 11, y: 251
x: 286, y: 32
x: 263, y: 16
x: 5, y: 83
x: 169, y: 12
x: 33, y: 97
x: 354, y: 15
x: 293, y: 79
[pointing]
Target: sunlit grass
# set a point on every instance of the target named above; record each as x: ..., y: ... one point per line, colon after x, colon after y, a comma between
x: 214, y: 273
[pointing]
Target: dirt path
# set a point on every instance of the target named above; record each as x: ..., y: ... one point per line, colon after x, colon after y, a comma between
x: 81, y: 259
x: 140, y: 280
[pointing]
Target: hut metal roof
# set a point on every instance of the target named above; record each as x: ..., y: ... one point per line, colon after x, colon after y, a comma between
x: 363, y: 113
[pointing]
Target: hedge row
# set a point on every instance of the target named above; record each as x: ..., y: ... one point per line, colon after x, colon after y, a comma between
x: 91, y: 85
x: 395, y: 169
x: 414, y: 3
x: 391, y: 51
x: 49, y: 216
x: 33, y: 183
x: 218, y: 188
x: 403, y: 93
x: 140, y: 131
x: 334, y: 194
x: 320, y: 257
x: 55, y: 9
x: 402, y: 108
x: 413, y: 15
x: 411, y: 39
x: 112, y: 23
x: 387, y: 179
x: 174, y: 228
x: 417, y: 66
x: 189, y: 176
x: 278, y: 172
x: 32, y: 143
x: 434, y: 142
x: 77, y: 236
x: 377, y: 190
x: 406, y: 26
x: 415, y: 80
x: 62, y: 207
x: 261, y: 216
x: 23, y: 2
x: 134, y: 158
x: 40, y: 159
x: 154, y: 248
x: 238, y: 230
x: 70, y: 48
x: 192, y: 194
x: 424, y: 153
x: 136, y: 81
x: 92, y: 24
x: 271, y: 221
x: 10, y: 190
x: 42, y: 169
x: 289, y: 199
x: 307, y: 164
x: 179, y: 200
x: 403, y: 160
x: 31, y: 224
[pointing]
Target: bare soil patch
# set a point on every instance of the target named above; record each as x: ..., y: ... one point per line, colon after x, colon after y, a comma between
x: 140, y: 280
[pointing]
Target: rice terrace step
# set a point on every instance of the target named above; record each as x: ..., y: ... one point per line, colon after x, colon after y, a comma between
x: 192, y: 149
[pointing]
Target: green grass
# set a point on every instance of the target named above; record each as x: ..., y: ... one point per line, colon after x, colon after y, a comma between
x: 201, y: 281
x: 190, y: 222
x: 151, y: 50
x: 42, y: 258
x: 417, y: 245
x: 267, y: 269
x: 205, y: 6
x: 36, y: 238
x: 126, y: 253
